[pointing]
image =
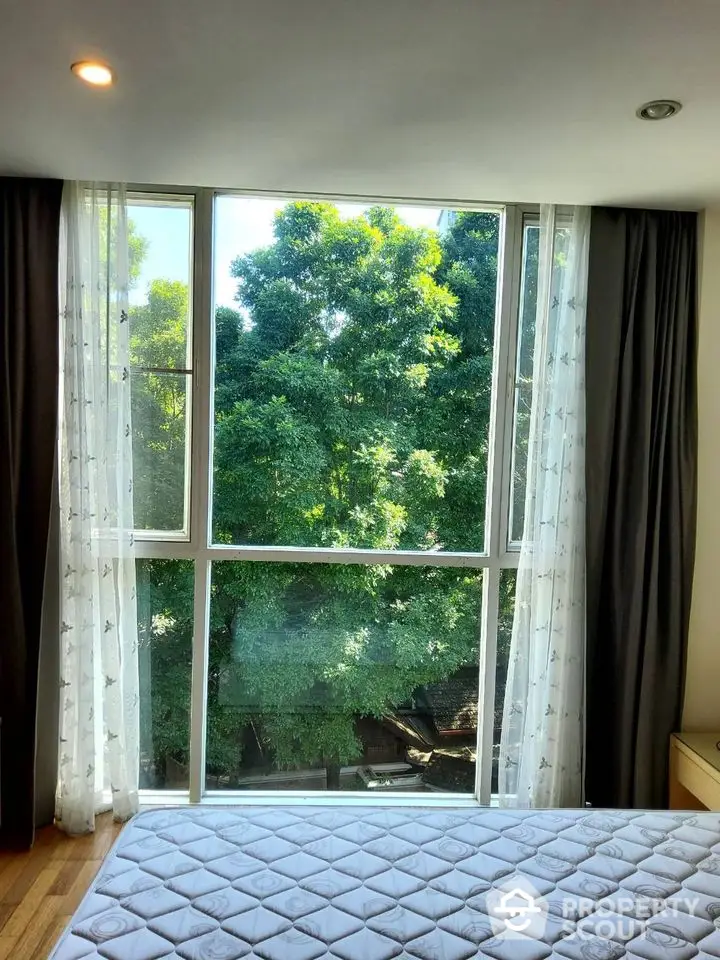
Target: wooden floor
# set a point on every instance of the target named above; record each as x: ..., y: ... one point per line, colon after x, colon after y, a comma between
x: 40, y: 890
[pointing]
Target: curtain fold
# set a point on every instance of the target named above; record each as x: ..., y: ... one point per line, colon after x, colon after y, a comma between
x: 29, y: 218
x: 541, y: 746
x: 641, y: 490
x: 99, y: 720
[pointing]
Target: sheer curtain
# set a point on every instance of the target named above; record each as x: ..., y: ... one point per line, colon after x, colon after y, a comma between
x: 98, y: 762
x: 541, y: 745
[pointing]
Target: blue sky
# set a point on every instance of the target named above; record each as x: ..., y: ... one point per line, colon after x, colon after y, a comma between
x: 242, y: 224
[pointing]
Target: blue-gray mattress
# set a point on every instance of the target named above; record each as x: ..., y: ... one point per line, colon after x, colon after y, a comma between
x: 368, y: 883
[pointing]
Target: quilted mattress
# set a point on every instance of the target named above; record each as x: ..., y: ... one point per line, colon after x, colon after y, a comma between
x: 368, y: 883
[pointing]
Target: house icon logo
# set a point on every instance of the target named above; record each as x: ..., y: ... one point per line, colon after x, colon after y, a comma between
x: 517, y: 908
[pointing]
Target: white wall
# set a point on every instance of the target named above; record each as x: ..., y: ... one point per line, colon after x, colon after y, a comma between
x: 702, y: 689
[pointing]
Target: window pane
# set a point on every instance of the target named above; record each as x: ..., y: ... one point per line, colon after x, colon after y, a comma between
x: 160, y: 415
x: 525, y: 359
x: 165, y: 628
x: 343, y: 677
x: 161, y: 357
x: 506, y: 613
x: 353, y: 374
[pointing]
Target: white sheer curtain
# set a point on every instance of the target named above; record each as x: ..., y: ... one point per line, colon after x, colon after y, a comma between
x: 541, y: 746
x: 98, y: 755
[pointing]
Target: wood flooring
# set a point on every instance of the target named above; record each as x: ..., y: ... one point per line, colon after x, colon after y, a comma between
x: 41, y: 889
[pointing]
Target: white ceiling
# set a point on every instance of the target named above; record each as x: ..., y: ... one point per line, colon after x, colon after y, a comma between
x: 451, y: 99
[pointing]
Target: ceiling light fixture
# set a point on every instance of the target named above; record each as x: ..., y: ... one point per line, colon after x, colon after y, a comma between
x: 659, y: 109
x: 93, y: 72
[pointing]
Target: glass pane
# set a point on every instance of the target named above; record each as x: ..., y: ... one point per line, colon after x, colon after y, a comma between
x: 161, y: 232
x: 161, y: 357
x: 345, y: 677
x: 165, y: 628
x: 353, y: 374
x: 506, y: 613
x: 525, y: 359
x: 160, y: 424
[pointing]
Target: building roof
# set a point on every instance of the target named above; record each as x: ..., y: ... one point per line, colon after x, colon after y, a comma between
x: 453, y: 703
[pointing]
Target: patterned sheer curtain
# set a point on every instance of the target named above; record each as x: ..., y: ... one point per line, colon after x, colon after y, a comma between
x: 541, y: 746
x: 98, y: 756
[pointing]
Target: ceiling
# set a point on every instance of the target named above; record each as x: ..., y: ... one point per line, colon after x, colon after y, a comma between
x: 525, y: 100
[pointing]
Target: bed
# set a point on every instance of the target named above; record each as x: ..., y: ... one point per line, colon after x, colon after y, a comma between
x: 370, y: 883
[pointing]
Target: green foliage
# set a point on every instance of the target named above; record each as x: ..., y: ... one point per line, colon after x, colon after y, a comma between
x: 159, y: 405
x: 313, y: 646
x: 158, y: 329
x: 165, y: 615
x: 351, y: 410
x: 137, y: 248
x: 137, y: 245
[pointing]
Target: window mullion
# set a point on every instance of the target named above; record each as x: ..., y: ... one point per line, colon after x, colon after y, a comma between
x: 198, y: 696
x: 498, y: 494
x: 502, y: 390
x: 411, y: 558
x: 486, y: 696
x: 506, y: 415
x: 201, y: 466
x: 202, y: 367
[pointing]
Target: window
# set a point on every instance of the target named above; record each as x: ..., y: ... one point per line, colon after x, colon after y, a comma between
x: 353, y: 375
x: 524, y: 358
x: 160, y: 237
x: 326, y: 572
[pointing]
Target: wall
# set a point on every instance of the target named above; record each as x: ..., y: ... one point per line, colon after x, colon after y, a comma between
x: 702, y: 687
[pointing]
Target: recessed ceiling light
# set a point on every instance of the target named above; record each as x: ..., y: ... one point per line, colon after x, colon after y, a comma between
x: 93, y: 72
x: 659, y: 109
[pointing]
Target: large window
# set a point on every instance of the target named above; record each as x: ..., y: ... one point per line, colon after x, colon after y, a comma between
x: 330, y: 412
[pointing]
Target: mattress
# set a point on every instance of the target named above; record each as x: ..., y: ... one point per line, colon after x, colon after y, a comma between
x: 368, y: 883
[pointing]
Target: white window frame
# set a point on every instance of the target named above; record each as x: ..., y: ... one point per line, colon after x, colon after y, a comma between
x: 498, y: 555
x: 159, y: 197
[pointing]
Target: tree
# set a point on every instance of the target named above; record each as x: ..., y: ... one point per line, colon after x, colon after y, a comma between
x: 352, y: 410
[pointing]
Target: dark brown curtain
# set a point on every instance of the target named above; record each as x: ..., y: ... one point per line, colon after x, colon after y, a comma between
x: 29, y: 234
x: 641, y: 477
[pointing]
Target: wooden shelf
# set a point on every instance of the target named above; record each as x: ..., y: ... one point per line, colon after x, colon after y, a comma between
x: 694, y: 771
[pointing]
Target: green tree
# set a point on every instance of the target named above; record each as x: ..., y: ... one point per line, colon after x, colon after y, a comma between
x: 352, y: 411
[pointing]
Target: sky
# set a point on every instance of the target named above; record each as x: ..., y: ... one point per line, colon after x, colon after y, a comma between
x: 242, y: 224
